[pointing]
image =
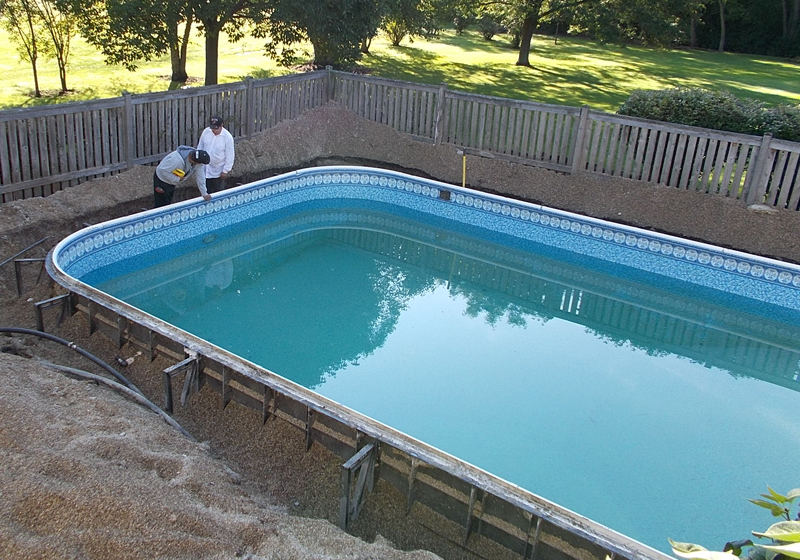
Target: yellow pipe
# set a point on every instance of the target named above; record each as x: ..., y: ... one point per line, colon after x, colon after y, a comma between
x: 464, y: 171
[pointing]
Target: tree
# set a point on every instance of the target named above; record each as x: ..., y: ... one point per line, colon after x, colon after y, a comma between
x: 336, y: 29
x: 21, y: 20
x: 721, y: 47
x: 61, y: 25
x: 530, y: 12
x: 228, y: 15
x: 791, y: 18
x: 129, y: 31
x: 410, y: 18
x: 657, y: 23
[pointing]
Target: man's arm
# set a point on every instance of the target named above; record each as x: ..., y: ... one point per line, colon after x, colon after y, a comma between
x: 205, y: 142
x: 229, y: 155
x: 200, y: 177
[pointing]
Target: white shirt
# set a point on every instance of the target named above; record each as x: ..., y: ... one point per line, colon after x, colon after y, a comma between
x: 220, y: 149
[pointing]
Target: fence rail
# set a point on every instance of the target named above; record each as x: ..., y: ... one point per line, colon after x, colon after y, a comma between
x: 46, y: 149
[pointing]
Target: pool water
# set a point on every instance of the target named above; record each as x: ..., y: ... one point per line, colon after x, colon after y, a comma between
x: 657, y: 413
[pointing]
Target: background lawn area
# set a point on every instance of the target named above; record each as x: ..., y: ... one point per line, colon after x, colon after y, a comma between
x: 567, y: 72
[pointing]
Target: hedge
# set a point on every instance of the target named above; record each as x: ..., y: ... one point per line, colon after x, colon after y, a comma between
x: 715, y: 110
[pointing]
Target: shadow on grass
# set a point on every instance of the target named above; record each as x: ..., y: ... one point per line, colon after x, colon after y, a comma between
x: 579, y: 72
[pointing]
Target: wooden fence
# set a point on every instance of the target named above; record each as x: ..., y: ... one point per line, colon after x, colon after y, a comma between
x: 46, y: 149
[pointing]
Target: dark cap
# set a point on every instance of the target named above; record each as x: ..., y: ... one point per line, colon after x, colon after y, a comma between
x: 216, y: 122
x: 201, y: 156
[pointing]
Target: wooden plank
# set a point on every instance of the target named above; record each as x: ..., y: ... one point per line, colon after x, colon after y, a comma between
x: 404, y: 124
x: 605, y: 144
x: 613, y: 146
x: 555, y: 147
x: 791, y: 181
x: 599, y: 129
x: 105, y: 136
x: 429, y: 114
x: 637, y: 161
x: 492, y: 123
x: 677, y: 161
x: 541, y: 132
x: 41, y: 136
x: 514, y: 139
x: 459, y: 115
x: 478, y: 138
x: 697, y: 165
x: 710, y: 161
x: 569, y: 137
x: 524, y: 141
x: 650, y: 152
x: 63, y: 143
x: 688, y: 162
x: 23, y: 150
x: 80, y: 141
x: 778, y: 169
x: 666, y: 163
x: 786, y: 168
x: 745, y: 155
x: 623, y: 149
x: 629, y: 155
x: 715, y: 186
x: 730, y: 164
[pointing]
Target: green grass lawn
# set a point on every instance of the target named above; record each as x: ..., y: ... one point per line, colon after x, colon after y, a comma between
x: 567, y: 72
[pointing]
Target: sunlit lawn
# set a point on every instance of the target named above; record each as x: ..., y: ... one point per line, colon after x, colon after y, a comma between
x: 567, y: 72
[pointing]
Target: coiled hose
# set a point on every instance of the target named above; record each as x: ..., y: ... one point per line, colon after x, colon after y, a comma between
x: 121, y: 378
x: 124, y: 386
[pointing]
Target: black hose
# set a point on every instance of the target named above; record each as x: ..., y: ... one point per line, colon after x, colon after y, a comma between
x: 78, y: 349
x: 138, y: 397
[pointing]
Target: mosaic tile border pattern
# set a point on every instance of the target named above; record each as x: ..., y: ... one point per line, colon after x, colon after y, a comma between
x: 682, y: 259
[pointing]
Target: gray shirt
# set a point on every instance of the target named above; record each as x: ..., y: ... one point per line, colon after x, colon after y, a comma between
x: 176, y: 166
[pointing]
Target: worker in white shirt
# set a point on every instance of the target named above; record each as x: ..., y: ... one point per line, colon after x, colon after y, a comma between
x: 218, y: 142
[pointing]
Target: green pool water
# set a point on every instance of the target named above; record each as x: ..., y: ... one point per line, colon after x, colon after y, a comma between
x: 654, y: 413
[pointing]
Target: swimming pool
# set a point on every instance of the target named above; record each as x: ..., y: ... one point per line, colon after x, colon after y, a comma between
x: 631, y: 269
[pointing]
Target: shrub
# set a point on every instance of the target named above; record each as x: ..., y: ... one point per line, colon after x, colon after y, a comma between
x: 715, y: 110
x: 488, y: 27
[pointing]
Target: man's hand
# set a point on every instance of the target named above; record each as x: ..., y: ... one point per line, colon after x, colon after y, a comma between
x: 223, y: 175
x: 206, y: 197
x: 159, y: 190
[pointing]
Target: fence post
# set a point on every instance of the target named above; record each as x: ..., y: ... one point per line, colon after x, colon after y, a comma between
x: 250, y: 122
x: 760, y: 178
x: 438, y: 121
x: 129, y: 133
x: 329, y: 83
x: 579, y: 148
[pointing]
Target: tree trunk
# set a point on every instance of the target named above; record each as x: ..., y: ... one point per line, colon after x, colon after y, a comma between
x: 177, y: 54
x: 324, y: 55
x: 33, y: 52
x: 721, y: 25
x: 693, y: 33
x: 212, y: 52
x: 794, y: 20
x: 785, y: 14
x: 62, y: 74
x: 365, y: 45
x: 528, y: 27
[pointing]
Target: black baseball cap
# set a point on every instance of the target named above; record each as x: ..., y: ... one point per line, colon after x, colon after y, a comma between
x: 201, y: 156
x: 216, y: 122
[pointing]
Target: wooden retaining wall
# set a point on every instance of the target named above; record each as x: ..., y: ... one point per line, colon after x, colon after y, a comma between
x: 46, y: 149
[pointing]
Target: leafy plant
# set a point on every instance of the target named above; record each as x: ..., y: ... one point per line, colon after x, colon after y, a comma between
x: 784, y: 536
